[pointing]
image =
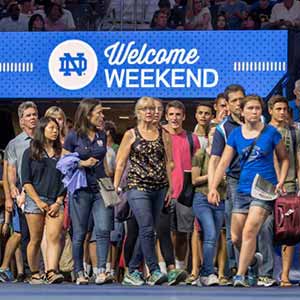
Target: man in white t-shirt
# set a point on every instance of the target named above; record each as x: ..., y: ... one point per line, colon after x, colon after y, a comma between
x: 15, y: 21
x: 286, y: 14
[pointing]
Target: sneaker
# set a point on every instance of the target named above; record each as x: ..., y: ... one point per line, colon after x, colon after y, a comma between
x: 266, y: 281
x: 6, y: 275
x: 133, y: 278
x: 3, y: 276
x: 20, y: 278
x: 103, y: 278
x: 157, y: 277
x: 253, y: 269
x: 176, y: 276
x: 240, y: 281
x: 197, y: 282
x: 210, y: 280
x: 92, y: 278
x: 224, y: 281
x: 82, y: 278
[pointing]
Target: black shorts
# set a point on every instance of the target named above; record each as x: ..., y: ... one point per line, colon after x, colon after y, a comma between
x: 182, y: 217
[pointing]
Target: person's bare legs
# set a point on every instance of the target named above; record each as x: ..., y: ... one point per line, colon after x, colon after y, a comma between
x: 36, y: 229
x: 222, y: 254
x: 93, y: 254
x: 19, y: 261
x: 86, y: 251
x: 238, y: 221
x: 10, y: 249
x: 53, y: 234
x: 256, y: 217
x: 44, y: 249
x: 197, y: 255
x: 181, y: 246
x: 287, y: 253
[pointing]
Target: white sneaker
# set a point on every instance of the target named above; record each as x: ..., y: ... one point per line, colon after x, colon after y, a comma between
x: 197, y: 282
x: 209, y: 280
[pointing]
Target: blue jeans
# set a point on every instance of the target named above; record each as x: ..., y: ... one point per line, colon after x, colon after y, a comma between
x: 265, y: 247
x: 211, y: 219
x: 146, y: 207
x: 82, y: 204
x: 231, y: 194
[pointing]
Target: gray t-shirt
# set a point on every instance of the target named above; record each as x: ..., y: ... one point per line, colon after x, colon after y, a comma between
x: 15, y: 150
x: 290, y: 181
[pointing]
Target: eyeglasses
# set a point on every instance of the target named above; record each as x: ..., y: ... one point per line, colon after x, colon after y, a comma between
x: 149, y: 108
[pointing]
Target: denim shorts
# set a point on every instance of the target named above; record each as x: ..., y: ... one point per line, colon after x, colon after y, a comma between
x: 30, y: 206
x: 243, y: 202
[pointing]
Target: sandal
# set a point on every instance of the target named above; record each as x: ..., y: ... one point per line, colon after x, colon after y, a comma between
x: 224, y: 281
x: 36, y: 278
x: 285, y: 284
x: 54, y: 276
x: 191, y: 279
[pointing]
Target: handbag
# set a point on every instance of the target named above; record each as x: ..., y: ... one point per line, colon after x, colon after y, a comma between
x: 287, y: 212
x: 187, y: 194
x: 108, y: 193
x: 287, y: 220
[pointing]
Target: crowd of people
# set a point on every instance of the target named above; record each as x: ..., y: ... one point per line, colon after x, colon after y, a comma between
x: 60, y: 15
x: 186, y: 213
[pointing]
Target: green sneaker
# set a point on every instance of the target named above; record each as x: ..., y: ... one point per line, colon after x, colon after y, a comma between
x: 133, y: 278
x: 176, y: 276
x: 157, y: 277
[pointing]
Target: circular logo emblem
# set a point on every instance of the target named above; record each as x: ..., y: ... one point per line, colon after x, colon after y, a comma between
x: 73, y: 64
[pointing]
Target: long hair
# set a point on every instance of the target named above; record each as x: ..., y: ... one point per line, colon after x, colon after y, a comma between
x: 82, y: 123
x: 52, y: 111
x: 38, y: 143
x: 32, y: 20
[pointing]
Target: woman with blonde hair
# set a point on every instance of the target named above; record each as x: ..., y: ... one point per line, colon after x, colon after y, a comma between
x: 147, y: 184
x: 58, y: 114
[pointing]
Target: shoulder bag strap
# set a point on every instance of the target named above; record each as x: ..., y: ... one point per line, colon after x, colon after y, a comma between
x: 252, y: 146
x: 191, y: 142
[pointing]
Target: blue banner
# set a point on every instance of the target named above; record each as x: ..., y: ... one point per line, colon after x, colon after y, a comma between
x: 133, y: 64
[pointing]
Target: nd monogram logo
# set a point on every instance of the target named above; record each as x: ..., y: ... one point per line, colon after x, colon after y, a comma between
x: 73, y: 64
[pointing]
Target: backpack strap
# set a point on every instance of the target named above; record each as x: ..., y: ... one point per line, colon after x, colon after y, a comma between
x: 191, y: 142
x: 201, y: 159
x: 245, y: 159
x: 294, y: 139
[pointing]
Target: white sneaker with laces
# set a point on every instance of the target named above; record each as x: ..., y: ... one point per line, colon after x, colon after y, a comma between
x: 209, y: 280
